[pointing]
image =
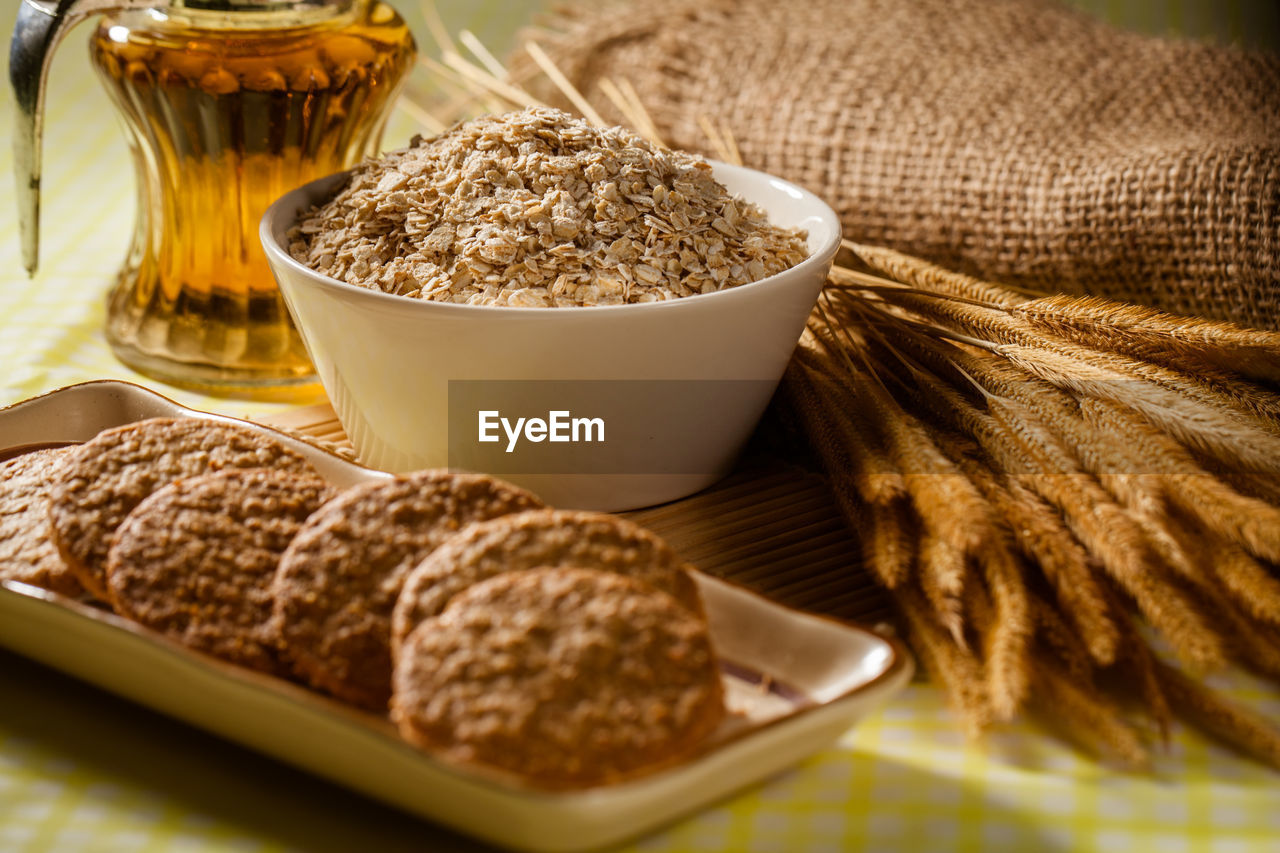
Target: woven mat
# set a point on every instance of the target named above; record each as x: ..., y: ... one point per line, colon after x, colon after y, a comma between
x: 770, y: 526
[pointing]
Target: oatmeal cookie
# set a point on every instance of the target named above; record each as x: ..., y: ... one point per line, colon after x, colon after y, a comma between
x: 538, y: 538
x: 111, y: 474
x: 27, y: 552
x: 566, y: 677
x: 196, y: 560
x: 339, y: 578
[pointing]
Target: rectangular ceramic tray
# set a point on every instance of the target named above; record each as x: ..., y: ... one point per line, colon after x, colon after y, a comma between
x: 797, y: 682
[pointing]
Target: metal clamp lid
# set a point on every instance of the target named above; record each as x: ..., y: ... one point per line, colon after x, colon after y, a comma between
x: 256, y: 5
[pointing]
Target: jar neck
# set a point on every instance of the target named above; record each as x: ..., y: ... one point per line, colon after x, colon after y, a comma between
x: 261, y: 5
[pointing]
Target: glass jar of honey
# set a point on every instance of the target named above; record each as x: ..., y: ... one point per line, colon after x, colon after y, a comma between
x: 228, y: 104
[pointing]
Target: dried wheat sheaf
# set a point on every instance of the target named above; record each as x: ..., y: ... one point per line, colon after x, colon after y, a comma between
x: 1060, y: 492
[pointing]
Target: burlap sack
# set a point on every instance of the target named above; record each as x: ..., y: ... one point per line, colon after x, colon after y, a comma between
x: 1011, y: 139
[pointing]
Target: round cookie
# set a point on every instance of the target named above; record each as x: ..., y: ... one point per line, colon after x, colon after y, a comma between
x: 538, y: 538
x: 112, y: 473
x: 339, y: 578
x: 27, y: 552
x: 566, y: 677
x: 196, y: 560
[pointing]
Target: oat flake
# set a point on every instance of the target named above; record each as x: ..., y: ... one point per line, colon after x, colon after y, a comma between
x: 536, y: 208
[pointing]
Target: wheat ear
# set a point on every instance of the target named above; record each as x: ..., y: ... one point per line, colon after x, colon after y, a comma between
x: 1152, y: 335
x: 1219, y: 718
x: 1087, y: 718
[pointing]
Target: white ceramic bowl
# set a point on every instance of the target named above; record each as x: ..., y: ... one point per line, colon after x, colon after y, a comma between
x: 679, y: 385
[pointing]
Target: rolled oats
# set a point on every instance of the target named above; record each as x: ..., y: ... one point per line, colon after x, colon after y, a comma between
x: 538, y: 209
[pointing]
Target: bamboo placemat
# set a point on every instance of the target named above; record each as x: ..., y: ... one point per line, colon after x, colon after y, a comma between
x: 771, y: 526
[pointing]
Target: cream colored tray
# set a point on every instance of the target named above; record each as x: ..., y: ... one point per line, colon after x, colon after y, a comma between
x: 797, y: 682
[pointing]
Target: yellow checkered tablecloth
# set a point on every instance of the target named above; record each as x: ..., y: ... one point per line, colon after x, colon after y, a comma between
x: 83, y: 771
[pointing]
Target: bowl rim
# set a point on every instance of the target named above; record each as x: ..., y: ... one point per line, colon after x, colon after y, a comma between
x: 299, y: 196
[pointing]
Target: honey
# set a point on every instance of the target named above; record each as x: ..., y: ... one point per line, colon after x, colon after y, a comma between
x: 225, y: 112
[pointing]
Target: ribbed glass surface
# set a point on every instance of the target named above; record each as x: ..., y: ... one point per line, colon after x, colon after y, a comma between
x: 221, y: 122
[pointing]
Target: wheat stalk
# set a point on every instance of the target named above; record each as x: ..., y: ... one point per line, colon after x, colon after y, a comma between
x: 556, y: 76
x: 909, y: 270
x: 1087, y: 718
x: 1042, y: 538
x: 1152, y: 335
x: 1061, y: 642
x: 958, y: 671
x: 1136, y: 669
x: 1221, y: 719
x: 942, y: 575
